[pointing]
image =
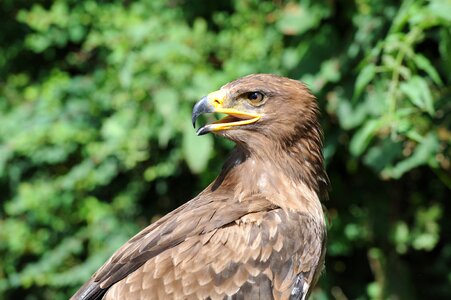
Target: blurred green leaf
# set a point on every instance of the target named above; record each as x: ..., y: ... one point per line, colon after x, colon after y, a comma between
x: 419, y: 93
x: 445, y: 51
x: 299, y: 18
x: 427, y: 231
x: 401, y: 236
x: 383, y: 155
x: 363, y: 136
x: 365, y: 76
x: 424, y: 64
x: 441, y: 8
x: 197, y: 150
x: 424, y: 153
x: 95, y: 102
x: 349, y: 117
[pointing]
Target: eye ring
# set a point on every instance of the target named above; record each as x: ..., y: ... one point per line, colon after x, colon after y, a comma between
x: 255, y: 98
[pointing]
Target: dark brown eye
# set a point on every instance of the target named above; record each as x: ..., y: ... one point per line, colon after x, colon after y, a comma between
x: 255, y: 97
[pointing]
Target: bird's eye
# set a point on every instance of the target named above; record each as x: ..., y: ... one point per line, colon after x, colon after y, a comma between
x: 255, y: 98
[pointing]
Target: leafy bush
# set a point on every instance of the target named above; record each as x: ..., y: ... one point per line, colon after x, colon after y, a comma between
x: 96, y: 141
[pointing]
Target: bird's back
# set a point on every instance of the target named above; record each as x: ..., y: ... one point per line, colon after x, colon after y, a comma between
x: 271, y: 254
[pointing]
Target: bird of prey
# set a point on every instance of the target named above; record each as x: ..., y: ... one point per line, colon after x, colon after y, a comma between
x: 258, y: 230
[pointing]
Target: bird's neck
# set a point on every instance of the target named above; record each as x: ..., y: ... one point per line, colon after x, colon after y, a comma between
x: 297, y: 155
x: 291, y: 174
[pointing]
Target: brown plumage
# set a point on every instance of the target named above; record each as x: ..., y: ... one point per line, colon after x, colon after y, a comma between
x: 258, y: 230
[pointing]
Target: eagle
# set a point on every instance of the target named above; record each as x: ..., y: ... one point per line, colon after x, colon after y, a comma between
x: 258, y: 230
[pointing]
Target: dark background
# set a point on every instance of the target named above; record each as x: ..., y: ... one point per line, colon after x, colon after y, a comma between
x: 96, y: 140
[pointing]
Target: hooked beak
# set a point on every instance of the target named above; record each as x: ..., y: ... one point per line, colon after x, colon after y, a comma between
x: 213, y: 103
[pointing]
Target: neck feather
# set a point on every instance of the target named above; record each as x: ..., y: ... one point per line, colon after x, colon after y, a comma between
x: 296, y: 158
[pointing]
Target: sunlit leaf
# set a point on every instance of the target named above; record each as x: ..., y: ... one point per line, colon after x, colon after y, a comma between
x: 296, y: 19
x: 441, y: 8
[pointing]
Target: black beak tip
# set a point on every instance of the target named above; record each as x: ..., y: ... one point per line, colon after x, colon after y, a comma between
x: 203, y: 130
x: 201, y: 107
x: 194, y: 117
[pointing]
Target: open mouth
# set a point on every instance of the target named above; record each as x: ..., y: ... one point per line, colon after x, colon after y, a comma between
x: 237, y: 118
x: 234, y: 118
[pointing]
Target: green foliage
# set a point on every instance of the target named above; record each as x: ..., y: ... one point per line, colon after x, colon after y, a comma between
x: 96, y: 140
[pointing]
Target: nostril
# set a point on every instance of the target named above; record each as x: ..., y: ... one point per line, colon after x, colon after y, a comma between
x: 217, y: 102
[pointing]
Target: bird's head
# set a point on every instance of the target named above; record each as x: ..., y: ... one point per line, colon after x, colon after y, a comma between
x: 259, y: 107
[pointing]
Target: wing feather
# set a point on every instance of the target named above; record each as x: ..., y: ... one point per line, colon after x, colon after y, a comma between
x: 199, y: 217
x: 219, y: 268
